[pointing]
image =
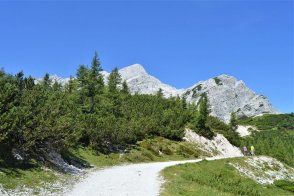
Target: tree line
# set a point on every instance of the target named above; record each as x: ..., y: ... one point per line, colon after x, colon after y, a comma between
x: 88, y: 111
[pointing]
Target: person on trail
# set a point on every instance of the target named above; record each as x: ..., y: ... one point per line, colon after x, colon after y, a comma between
x: 252, y: 150
x: 245, y: 151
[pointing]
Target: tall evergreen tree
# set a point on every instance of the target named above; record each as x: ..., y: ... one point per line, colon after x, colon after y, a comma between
x: 184, y: 102
x: 114, y: 80
x: 202, y: 118
x: 29, y: 83
x: 125, y: 89
x: 159, y: 93
x: 46, y: 80
x: 233, y: 122
x: 71, y: 85
x: 82, y: 78
x: 203, y: 112
x: 96, y: 82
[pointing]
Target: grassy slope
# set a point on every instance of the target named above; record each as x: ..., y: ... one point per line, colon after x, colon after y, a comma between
x: 219, y: 178
x: 30, y: 176
x: 157, y: 149
x: 271, y: 122
x: 276, y: 138
x: 149, y: 150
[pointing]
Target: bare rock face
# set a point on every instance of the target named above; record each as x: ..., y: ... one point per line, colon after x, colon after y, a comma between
x: 217, y: 146
x: 225, y: 93
x: 139, y: 81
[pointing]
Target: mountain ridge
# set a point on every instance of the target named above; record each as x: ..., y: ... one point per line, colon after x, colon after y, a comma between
x: 226, y: 94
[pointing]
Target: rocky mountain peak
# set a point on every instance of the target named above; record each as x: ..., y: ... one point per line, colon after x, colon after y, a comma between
x: 135, y: 70
x: 225, y: 93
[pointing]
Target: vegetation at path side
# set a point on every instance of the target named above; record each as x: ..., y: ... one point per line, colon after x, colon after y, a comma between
x: 276, y: 138
x: 214, y: 178
x: 102, y: 118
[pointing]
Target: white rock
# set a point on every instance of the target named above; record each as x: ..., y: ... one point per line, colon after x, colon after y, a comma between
x: 139, y: 81
x: 219, y: 144
x: 245, y: 130
x: 265, y: 170
x: 225, y: 93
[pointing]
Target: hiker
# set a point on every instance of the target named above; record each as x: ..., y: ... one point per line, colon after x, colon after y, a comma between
x: 245, y: 151
x: 252, y: 150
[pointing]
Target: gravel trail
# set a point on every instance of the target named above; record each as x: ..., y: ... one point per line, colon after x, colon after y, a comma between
x: 131, y: 180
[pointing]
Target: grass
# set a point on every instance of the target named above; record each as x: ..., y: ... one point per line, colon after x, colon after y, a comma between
x: 34, y: 176
x: 271, y: 121
x: 276, y: 138
x: 212, y: 178
x: 148, y: 150
x: 284, y: 184
x: 275, y: 143
x: 29, y: 175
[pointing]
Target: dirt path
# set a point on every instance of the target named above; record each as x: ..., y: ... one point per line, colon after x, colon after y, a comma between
x: 132, y: 180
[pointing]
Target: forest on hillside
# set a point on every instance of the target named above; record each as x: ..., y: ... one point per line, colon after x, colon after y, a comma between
x: 88, y: 111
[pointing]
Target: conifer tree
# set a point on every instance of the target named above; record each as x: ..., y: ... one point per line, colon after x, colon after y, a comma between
x: 125, y: 88
x: 71, y: 85
x: 29, y: 83
x: 82, y: 78
x: 203, y: 112
x: 114, y: 80
x: 233, y: 122
x: 46, y: 80
x: 202, y: 118
x: 159, y: 93
x: 96, y: 82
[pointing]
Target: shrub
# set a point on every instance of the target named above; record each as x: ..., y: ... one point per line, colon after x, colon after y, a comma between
x: 286, y: 185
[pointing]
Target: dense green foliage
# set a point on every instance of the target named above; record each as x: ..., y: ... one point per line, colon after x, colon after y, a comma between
x: 38, y: 116
x: 200, y: 126
x: 220, y: 127
x: 219, y: 178
x: 276, y: 138
x: 271, y: 121
x: 284, y: 184
x: 275, y: 143
x: 32, y: 175
x: 148, y: 150
x: 233, y: 122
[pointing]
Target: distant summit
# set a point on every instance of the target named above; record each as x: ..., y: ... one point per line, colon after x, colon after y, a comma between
x: 225, y: 93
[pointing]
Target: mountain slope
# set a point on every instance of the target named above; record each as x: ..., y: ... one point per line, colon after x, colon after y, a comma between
x: 225, y: 93
x: 141, y: 82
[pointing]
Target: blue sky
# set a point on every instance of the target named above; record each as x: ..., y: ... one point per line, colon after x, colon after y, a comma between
x: 178, y: 42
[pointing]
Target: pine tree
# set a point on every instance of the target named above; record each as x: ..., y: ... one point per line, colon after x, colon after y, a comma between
x: 29, y: 83
x: 20, y: 80
x: 233, y: 122
x: 82, y: 78
x: 125, y: 89
x: 202, y: 118
x: 46, y: 80
x: 56, y: 86
x: 71, y: 85
x: 114, y: 80
x: 159, y: 93
x: 184, y: 102
x: 96, y: 82
x: 203, y: 112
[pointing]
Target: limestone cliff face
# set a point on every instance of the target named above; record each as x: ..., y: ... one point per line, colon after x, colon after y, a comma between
x: 225, y: 93
x: 139, y: 81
